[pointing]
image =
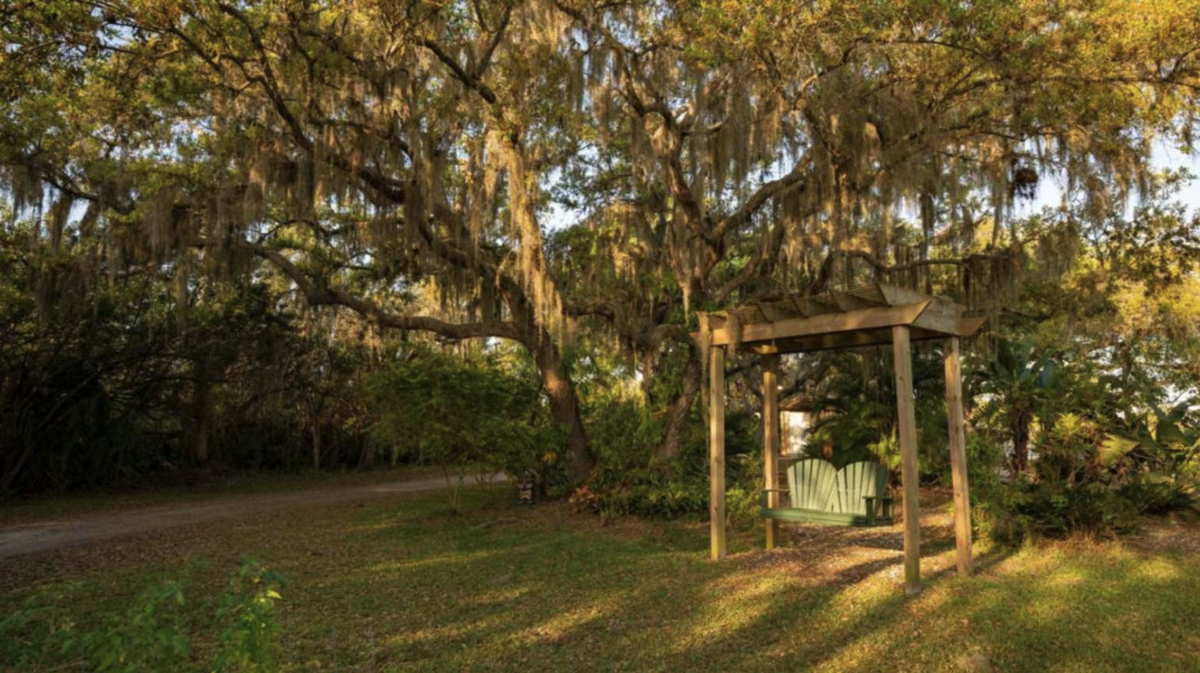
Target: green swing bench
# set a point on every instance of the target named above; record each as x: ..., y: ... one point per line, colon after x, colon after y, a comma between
x: 855, y: 495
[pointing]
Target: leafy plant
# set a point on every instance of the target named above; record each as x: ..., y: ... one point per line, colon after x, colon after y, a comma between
x: 31, y: 632
x: 1157, y: 493
x: 249, y: 641
x: 1023, y: 510
x: 458, y: 414
x: 149, y: 636
x: 680, y: 486
x: 1013, y: 384
x: 152, y: 634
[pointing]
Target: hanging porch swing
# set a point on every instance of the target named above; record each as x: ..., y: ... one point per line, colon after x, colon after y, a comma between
x: 855, y: 495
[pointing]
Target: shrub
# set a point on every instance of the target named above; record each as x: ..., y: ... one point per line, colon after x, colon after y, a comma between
x: 249, y: 640
x: 1160, y: 494
x: 680, y: 487
x: 152, y: 633
x: 461, y: 415
x: 35, y: 631
x: 148, y: 636
x: 622, y: 432
x: 1020, y: 511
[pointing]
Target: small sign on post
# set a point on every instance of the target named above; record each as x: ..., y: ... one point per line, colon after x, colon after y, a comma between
x: 525, y: 490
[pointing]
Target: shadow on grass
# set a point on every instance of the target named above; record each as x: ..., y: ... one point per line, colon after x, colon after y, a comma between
x: 581, y: 598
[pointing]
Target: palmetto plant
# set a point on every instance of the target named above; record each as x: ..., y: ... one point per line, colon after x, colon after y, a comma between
x: 1159, y: 440
x: 1012, y: 386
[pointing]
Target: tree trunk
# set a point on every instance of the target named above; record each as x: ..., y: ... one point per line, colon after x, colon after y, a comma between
x: 201, y: 386
x: 1020, y: 433
x: 564, y: 408
x: 680, y: 409
x: 366, y: 454
x: 316, y: 445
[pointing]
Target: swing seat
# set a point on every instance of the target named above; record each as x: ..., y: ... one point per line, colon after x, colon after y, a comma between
x: 855, y: 495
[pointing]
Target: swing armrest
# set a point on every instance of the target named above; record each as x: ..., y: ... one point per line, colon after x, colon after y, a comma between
x: 884, y: 500
x: 766, y: 492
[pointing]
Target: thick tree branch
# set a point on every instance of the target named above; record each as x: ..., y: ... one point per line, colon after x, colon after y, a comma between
x: 471, y: 81
x: 319, y: 293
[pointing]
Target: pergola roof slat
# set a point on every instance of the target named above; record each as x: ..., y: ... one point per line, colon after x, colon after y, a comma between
x: 839, y: 319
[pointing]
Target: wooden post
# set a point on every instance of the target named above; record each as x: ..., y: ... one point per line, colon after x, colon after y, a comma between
x: 716, y: 453
x: 958, y: 457
x: 902, y: 355
x: 770, y: 370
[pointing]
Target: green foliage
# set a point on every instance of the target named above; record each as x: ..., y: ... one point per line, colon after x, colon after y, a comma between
x: 678, y: 487
x: 1022, y: 510
x: 117, y: 382
x: 1096, y: 465
x: 859, y: 396
x: 622, y: 432
x: 37, y: 630
x: 249, y: 641
x: 151, y: 635
x: 1013, y: 384
x: 1155, y: 493
x: 742, y: 501
x: 460, y: 415
x: 984, y: 459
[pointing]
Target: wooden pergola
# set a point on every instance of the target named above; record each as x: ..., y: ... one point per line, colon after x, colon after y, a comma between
x: 867, y: 316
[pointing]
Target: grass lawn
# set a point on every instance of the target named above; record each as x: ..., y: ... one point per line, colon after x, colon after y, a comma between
x: 403, y: 585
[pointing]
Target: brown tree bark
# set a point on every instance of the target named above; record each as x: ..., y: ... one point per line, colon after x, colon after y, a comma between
x: 316, y: 445
x: 1020, y: 433
x: 564, y: 408
x: 199, y: 409
x: 680, y: 409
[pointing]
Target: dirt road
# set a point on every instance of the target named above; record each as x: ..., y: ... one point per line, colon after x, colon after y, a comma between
x: 44, y: 536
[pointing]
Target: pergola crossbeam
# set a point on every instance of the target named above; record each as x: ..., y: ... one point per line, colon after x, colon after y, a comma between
x: 825, y: 324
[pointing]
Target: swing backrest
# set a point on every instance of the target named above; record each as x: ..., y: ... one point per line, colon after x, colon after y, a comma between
x: 811, y: 483
x: 853, y: 483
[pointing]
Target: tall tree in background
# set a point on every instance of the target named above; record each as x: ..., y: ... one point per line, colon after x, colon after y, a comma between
x: 372, y: 152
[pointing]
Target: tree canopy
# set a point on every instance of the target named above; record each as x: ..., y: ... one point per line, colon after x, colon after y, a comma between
x: 564, y: 174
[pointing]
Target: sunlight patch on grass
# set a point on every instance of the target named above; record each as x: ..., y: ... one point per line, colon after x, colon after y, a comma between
x: 733, y: 603
x: 1066, y: 579
x: 441, y: 561
x: 558, y: 628
x: 442, y: 635
x: 1157, y: 569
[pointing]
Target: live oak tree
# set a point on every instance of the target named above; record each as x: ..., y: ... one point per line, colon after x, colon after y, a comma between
x: 372, y: 151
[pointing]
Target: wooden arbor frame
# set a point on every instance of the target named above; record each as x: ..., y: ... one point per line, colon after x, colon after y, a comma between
x: 867, y: 316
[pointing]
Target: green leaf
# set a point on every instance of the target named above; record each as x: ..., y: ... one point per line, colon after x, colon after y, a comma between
x: 1115, y: 448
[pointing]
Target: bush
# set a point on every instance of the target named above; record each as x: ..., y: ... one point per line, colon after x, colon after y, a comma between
x: 680, y: 487
x: 460, y: 415
x: 146, y: 637
x: 250, y: 640
x: 1021, y: 511
x: 1160, y: 494
x: 622, y: 432
x: 151, y: 634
